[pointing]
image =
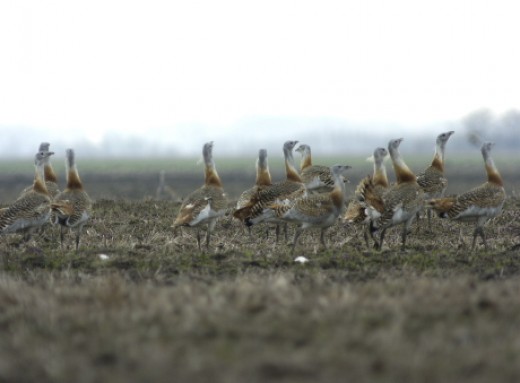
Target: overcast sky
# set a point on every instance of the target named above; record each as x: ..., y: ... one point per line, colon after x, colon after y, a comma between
x: 178, y: 69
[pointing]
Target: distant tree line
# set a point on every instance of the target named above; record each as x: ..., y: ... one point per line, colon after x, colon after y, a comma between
x: 483, y: 125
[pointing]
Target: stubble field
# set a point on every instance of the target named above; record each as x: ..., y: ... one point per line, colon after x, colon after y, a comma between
x: 141, y: 303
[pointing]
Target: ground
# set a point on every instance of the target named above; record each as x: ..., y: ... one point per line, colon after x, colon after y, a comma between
x: 139, y: 302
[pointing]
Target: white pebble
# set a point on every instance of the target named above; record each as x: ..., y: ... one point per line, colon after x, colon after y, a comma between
x: 301, y: 259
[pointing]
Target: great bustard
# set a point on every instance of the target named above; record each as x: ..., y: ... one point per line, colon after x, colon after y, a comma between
x: 369, y: 192
x: 313, y: 210
x: 479, y: 204
x: 263, y: 179
x: 72, y: 206
x: 32, y: 209
x: 290, y: 188
x: 401, y: 202
x: 317, y: 178
x: 49, y: 175
x: 206, y: 204
x: 432, y: 180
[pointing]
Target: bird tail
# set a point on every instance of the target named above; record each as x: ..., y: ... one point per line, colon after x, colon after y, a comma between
x: 367, y: 195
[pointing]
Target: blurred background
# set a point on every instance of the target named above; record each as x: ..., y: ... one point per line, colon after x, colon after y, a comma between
x: 160, y: 78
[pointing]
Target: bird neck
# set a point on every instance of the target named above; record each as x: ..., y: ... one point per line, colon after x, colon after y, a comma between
x: 39, y: 183
x: 380, y: 177
x: 263, y: 177
x: 49, y: 174
x: 493, y: 174
x: 290, y: 168
x: 211, y: 176
x: 337, y: 195
x: 306, y: 160
x: 402, y: 171
x: 73, y: 180
x: 438, y: 157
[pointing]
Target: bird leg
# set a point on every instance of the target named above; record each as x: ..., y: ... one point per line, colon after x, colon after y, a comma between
x: 429, y: 214
x: 406, y: 229
x: 211, y: 226
x: 61, y: 236
x: 365, y: 235
x: 379, y: 246
x: 208, y: 235
x: 297, y: 234
x: 78, y: 234
x: 479, y: 230
x: 198, y: 238
x: 403, y: 238
x: 322, y: 237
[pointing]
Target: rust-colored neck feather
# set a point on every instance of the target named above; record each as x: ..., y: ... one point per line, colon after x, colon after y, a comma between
x: 49, y: 174
x: 337, y: 197
x: 491, y: 170
x: 290, y: 168
x: 403, y: 172
x: 73, y: 180
x: 306, y: 160
x: 438, y: 163
x: 292, y: 174
x: 263, y: 177
x: 212, y: 178
x: 380, y: 178
x: 39, y: 186
x: 494, y: 176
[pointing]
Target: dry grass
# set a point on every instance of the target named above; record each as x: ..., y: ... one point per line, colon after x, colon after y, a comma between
x: 158, y: 310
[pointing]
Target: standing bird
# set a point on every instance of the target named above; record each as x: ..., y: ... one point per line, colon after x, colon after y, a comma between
x: 400, y: 203
x: 317, y: 178
x: 206, y: 204
x: 32, y: 209
x: 72, y: 206
x: 479, y: 204
x: 289, y: 189
x: 314, y: 210
x: 49, y: 176
x: 263, y: 179
x: 369, y: 191
x: 432, y: 180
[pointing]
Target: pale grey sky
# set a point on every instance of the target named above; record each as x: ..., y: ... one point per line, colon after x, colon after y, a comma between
x: 181, y: 70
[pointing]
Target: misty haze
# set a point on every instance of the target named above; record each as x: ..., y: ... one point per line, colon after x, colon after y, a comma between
x: 327, y: 136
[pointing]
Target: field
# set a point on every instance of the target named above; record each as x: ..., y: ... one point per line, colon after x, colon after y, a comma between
x: 141, y: 303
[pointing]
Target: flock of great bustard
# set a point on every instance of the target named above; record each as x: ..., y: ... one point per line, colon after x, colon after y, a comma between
x: 312, y: 196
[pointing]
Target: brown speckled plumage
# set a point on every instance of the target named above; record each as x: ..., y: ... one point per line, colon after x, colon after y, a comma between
x: 317, y: 178
x: 314, y: 210
x: 263, y: 179
x: 432, y: 180
x: 402, y: 201
x: 32, y: 209
x: 478, y: 204
x: 51, y: 180
x: 369, y: 190
x: 290, y: 188
x: 72, y: 206
x: 206, y: 204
